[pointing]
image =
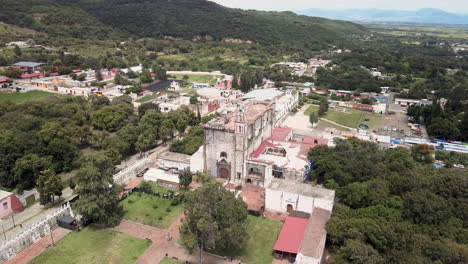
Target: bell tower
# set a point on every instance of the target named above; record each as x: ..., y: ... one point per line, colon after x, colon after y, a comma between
x: 241, y: 120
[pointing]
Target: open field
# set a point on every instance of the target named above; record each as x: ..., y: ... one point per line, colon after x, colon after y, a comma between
x: 151, y: 210
x: 198, y: 78
x: 94, y: 246
x: 442, y: 31
x: 375, y: 120
x: 147, y: 98
x: 349, y: 118
x: 259, y: 246
x: 22, y: 97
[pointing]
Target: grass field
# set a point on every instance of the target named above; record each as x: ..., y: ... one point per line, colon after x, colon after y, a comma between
x: 349, y: 118
x: 198, y: 78
x: 259, y: 247
x: 23, y: 97
x: 151, y: 210
x: 147, y: 98
x: 170, y: 261
x: 442, y: 31
x: 94, y: 246
x: 375, y: 120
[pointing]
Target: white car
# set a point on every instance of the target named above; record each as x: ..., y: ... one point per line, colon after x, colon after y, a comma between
x: 461, y: 166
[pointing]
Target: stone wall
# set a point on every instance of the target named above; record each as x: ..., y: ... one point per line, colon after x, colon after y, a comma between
x: 32, y: 233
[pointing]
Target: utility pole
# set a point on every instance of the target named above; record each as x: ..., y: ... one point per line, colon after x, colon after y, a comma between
x: 52, y: 237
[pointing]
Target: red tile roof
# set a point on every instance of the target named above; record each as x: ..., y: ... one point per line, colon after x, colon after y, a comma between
x: 280, y: 133
x: 290, y: 237
x: 4, y: 80
x: 55, y: 74
x: 32, y: 75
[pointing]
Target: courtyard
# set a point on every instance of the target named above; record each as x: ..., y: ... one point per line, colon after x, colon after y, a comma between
x: 152, y: 210
x: 94, y: 245
x: 259, y: 247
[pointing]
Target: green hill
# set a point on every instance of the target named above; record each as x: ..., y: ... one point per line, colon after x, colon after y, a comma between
x: 187, y: 19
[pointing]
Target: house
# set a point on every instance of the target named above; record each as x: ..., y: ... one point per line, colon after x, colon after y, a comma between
x: 9, y: 203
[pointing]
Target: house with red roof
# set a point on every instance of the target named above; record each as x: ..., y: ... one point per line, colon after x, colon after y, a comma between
x: 9, y: 203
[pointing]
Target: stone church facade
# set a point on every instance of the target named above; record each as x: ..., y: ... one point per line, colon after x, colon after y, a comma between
x: 231, y: 138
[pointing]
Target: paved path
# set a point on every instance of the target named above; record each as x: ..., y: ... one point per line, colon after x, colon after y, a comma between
x: 27, y: 216
x: 336, y: 124
x: 161, y: 245
x: 37, y: 248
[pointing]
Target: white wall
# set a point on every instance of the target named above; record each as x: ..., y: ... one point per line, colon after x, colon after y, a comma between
x: 173, y: 164
x: 301, y: 259
x: 279, y: 200
x: 197, y: 161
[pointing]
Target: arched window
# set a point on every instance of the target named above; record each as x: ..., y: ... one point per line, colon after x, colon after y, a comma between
x: 223, y: 155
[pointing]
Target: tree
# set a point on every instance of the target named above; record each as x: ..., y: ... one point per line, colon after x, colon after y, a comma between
x: 98, y: 193
x: 17, y: 51
x: 193, y: 100
x: 74, y: 76
x: 49, y: 185
x: 145, y: 107
x: 98, y: 75
x: 28, y: 168
x: 185, y: 178
x: 210, y: 225
x: 313, y: 118
x: 323, y: 107
x: 181, y: 125
x: 81, y: 77
x: 160, y: 72
x: 185, y: 77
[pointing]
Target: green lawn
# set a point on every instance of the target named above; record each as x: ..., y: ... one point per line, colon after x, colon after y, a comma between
x: 22, y: 97
x: 170, y: 261
x: 145, y: 99
x: 349, y: 118
x: 151, y: 210
x: 259, y: 247
x: 94, y: 246
x: 375, y: 120
x: 198, y: 78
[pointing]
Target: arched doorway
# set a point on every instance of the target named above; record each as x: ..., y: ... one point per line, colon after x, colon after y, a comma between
x: 249, y: 181
x: 223, y: 173
x: 289, y: 208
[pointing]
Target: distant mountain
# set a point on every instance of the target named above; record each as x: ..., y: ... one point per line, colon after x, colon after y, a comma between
x: 423, y: 16
x: 187, y: 19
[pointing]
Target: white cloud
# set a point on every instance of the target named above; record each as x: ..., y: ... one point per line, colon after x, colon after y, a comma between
x: 456, y: 6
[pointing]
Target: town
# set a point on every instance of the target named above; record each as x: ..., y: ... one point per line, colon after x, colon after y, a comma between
x: 178, y: 149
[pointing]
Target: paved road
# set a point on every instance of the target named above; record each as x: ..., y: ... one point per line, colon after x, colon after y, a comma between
x: 28, y: 215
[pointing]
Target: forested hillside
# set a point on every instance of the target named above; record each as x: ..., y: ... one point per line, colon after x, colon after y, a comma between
x: 393, y: 206
x: 186, y: 19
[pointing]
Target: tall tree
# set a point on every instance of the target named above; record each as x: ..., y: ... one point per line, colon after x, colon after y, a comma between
x: 49, y: 185
x: 313, y: 118
x: 185, y: 178
x: 17, y: 51
x: 98, y: 193
x: 210, y: 225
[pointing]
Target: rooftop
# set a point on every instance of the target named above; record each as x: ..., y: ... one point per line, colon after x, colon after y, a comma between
x: 172, y: 156
x: 262, y: 94
x: 253, y: 111
x: 291, y: 234
x: 4, y: 194
x: 313, y: 242
x: 302, y: 189
x: 28, y: 64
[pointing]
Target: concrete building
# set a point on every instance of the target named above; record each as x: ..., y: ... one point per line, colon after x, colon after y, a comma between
x: 408, y: 102
x: 285, y: 196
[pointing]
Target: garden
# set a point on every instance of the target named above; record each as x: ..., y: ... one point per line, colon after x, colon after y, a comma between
x: 152, y: 210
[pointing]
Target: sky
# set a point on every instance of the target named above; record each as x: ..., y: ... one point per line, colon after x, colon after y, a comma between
x: 455, y: 6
